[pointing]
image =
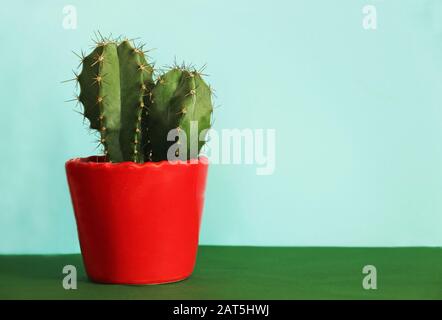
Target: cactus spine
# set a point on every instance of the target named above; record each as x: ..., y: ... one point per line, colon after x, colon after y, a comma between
x: 133, y: 113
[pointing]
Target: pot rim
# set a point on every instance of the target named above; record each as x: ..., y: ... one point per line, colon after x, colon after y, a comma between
x: 98, y: 162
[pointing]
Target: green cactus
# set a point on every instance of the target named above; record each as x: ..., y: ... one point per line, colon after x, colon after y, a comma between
x: 113, y: 82
x: 179, y: 100
x: 133, y: 113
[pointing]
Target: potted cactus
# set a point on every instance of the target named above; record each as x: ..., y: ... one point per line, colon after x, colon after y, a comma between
x: 138, y: 206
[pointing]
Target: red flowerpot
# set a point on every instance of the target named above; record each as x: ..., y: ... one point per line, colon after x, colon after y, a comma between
x: 137, y: 223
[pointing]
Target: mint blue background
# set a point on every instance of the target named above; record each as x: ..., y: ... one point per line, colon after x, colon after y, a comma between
x: 358, y: 116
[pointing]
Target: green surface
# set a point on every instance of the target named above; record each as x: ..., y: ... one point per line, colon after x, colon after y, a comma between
x: 247, y: 273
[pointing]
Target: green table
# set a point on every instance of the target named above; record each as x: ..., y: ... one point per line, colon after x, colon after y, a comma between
x: 246, y: 273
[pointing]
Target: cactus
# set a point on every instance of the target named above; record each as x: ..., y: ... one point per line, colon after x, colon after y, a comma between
x: 133, y: 113
x: 114, y: 80
x: 179, y: 98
